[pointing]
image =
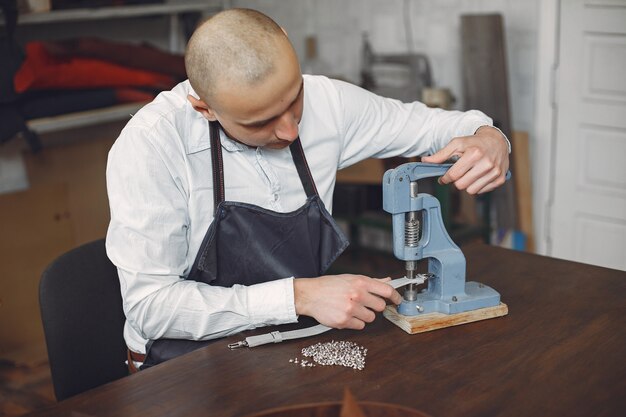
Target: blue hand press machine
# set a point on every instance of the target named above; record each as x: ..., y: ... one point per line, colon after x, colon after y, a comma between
x: 419, y: 233
x: 448, y: 300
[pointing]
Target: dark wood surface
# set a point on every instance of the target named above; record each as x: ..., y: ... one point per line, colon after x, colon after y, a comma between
x: 561, y: 351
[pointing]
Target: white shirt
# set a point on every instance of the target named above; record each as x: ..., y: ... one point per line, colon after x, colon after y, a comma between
x: 159, y: 182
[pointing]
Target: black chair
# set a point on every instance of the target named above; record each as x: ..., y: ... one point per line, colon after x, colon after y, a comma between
x: 83, y: 320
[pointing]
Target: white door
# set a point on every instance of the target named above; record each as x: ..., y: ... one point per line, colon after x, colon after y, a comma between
x: 588, y: 216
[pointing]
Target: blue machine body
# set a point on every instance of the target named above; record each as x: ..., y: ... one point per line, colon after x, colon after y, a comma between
x: 447, y: 290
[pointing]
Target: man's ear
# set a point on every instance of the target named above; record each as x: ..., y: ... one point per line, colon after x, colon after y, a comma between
x: 201, y: 107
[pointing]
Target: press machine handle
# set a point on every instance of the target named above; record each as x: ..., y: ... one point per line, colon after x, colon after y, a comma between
x: 397, y: 182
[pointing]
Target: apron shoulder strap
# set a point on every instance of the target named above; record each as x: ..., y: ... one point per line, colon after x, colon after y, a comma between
x: 218, y: 165
x: 297, y: 153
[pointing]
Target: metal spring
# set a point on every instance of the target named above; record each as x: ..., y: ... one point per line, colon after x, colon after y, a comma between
x: 412, y: 232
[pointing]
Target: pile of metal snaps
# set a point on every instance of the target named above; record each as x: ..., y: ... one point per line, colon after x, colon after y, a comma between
x: 341, y: 353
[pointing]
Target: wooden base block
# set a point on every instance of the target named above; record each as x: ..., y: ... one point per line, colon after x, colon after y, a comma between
x: 434, y: 321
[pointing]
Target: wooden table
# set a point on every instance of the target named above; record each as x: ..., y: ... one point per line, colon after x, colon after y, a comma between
x: 561, y: 351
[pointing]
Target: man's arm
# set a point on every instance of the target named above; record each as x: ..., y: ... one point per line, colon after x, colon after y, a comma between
x: 482, y: 164
x: 148, y: 240
x: 380, y: 127
x: 377, y: 127
x: 343, y: 301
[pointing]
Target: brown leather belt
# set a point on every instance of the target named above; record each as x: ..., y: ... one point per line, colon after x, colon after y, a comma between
x: 132, y: 358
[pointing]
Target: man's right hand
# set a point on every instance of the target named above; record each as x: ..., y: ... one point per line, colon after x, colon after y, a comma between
x: 343, y: 301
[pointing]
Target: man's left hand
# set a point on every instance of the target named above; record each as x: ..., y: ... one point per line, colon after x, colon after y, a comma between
x: 482, y: 164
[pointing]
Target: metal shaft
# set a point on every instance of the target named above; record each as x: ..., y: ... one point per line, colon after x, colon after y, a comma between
x: 411, y: 239
x: 410, y: 293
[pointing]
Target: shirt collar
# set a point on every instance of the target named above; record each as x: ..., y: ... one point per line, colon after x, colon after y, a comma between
x: 200, y: 127
x: 229, y: 144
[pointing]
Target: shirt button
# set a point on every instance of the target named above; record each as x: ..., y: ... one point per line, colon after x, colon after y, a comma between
x: 275, y: 197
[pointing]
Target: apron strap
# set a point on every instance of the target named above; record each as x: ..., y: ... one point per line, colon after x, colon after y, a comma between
x: 218, y: 165
x: 297, y: 153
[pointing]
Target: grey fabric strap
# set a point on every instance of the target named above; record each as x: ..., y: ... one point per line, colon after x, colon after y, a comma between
x: 277, y: 337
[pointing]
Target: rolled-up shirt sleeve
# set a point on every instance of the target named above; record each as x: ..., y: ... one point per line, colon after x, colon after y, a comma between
x: 380, y: 127
x: 148, y: 240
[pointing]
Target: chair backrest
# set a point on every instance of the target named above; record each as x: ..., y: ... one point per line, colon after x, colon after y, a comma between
x: 83, y: 320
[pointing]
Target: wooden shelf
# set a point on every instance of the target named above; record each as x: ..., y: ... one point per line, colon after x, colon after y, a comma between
x: 122, y: 112
x: 84, y: 118
x: 100, y: 13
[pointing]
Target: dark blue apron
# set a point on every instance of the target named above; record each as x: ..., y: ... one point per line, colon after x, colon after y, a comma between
x: 248, y: 245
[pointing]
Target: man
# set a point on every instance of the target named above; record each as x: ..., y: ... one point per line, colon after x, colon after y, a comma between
x: 219, y: 188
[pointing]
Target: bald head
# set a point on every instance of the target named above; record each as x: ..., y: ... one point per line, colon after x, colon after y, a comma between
x: 236, y: 47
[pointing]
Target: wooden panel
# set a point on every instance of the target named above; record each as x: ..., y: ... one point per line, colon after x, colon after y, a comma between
x: 485, y: 87
x: 81, y: 166
x: 601, y: 169
x: 523, y: 187
x: 601, y: 81
x: 36, y: 228
x: 369, y: 171
x: 600, y: 21
x: 600, y: 241
x: 66, y: 205
x: 605, y: 3
x: 485, y: 82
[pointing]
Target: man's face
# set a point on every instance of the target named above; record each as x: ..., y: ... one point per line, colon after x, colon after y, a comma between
x: 266, y: 114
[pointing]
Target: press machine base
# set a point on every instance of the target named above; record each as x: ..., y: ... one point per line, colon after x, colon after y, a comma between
x: 434, y: 321
x: 419, y: 233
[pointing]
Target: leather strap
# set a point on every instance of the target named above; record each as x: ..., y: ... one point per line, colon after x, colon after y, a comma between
x: 277, y: 337
x: 133, y: 357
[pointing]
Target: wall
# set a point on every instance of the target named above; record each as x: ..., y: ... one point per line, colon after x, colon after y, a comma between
x: 339, y: 25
